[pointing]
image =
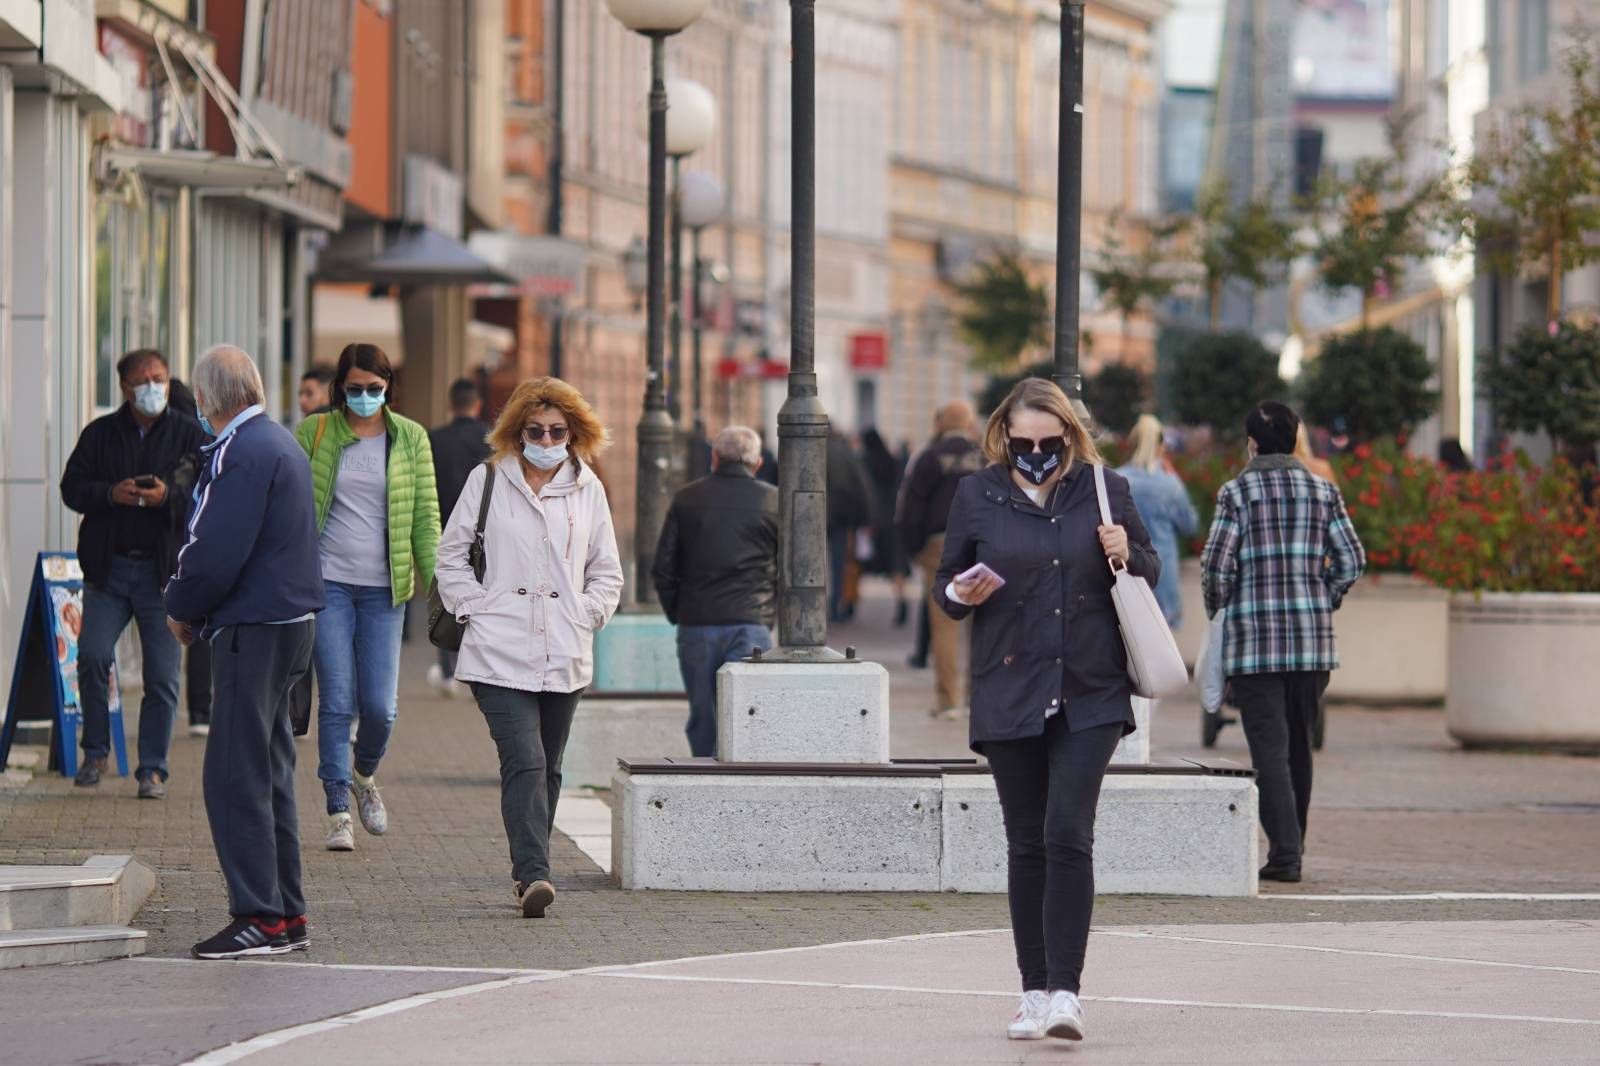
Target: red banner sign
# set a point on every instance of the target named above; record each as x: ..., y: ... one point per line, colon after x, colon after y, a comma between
x: 869, y: 351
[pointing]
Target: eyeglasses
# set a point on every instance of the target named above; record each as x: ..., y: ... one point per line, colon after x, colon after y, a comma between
x: 535, y: 433
x: 375, y: 389
x: 1045, y: 445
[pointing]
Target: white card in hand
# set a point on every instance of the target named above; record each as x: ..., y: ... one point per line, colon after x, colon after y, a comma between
x: 966, y: 577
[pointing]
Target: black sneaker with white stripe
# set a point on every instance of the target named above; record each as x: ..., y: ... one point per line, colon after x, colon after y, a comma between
x: 246, y: 936
x: 299, y: 939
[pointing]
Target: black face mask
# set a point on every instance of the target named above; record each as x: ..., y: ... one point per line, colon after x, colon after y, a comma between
x: 1038, y: 466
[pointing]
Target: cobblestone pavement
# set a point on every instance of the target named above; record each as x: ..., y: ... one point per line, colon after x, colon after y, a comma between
x: 1398, y: 809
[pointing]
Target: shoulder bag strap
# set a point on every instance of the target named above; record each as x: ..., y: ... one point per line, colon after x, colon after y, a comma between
x: 1105, y: 509
x: 475, y: 556
x: 322, y: 427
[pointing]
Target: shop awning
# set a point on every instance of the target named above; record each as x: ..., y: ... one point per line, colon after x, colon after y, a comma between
x: 399, y: 254
x: 195, y: 168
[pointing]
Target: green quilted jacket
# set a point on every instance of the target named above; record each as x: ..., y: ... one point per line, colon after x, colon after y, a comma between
x: 413, y: 499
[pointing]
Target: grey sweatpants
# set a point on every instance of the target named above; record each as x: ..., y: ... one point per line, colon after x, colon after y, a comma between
x: 249, y: 767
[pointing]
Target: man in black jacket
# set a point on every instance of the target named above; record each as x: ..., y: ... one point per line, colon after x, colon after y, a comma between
x: 120, y: 478
x: 924, y: 512
x: 459, y: 446
x: 716, y: 573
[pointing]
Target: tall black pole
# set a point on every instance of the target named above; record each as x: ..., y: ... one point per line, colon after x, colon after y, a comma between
x: 558, y: 137
x: 655, y: 428
x: 1069, y: 204
x: 675, y: 299
x: 697, y: 354
x: 802, y: 422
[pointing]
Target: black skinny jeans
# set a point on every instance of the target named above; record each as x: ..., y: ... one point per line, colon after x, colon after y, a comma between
x: 530, y: 731
x: 1049, y: 787
x: 1279, y: 715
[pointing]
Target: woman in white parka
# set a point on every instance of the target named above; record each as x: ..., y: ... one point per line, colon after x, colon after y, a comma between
x: 552, y: 578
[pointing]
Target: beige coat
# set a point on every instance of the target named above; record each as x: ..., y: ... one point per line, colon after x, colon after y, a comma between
x: 552, y: 579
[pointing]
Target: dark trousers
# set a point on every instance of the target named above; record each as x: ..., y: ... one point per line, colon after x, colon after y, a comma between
x: 1049, y: 787
x: 132, y: 591
x: 197, y: 682
x: 530, y: 731
x: 1279, y: 714
x: 249, y: 767
x: 702, y: 651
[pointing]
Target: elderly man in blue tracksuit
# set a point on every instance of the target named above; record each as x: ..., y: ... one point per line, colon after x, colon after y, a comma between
x: 249, y: 581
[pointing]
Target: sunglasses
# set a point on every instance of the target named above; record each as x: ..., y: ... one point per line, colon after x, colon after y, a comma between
x: 375, y: 389
x: 535, y: 433
x: 1045, y: 445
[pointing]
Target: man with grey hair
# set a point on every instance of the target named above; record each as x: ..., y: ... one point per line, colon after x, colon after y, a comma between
x: 249, y: 581
x: 716, y: 573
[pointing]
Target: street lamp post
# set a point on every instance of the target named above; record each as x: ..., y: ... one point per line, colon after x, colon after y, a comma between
x: 802, y: 421
x: 703, y: 203
x: 691, y: 123
x: 657, y: 20
x: 1069, y: 205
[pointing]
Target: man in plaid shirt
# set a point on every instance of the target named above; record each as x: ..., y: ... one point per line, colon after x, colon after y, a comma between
x: 1280, y: 558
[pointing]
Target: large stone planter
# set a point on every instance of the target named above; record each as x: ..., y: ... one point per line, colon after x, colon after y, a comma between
x: 1391, y: 633
x: 1525, y: 669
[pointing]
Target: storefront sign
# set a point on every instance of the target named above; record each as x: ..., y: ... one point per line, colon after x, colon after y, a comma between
x: 869, y: 351
x: 543, y: 266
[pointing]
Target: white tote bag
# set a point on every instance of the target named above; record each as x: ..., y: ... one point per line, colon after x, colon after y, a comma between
x: 1155, y: 666
x: 1208, y: 668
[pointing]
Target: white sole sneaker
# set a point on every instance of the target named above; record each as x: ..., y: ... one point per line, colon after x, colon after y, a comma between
x: 1028, y: 1023
x: 536, y: 898
x: 342, y: 833
x: 1065, y: 1021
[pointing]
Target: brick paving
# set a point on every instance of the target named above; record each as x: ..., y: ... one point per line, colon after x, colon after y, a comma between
x: 1398, y: 809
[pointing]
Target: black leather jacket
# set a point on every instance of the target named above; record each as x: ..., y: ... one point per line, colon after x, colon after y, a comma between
x: 717, y: 562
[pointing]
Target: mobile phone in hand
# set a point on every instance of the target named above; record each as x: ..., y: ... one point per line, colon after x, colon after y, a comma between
x: 981, y: 570
x: 147, y: 481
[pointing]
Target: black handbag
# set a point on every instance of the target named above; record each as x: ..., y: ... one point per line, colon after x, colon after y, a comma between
x: 444, y: 630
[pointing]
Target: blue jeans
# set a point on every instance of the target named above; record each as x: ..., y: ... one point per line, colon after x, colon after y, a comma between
x: 358, y: 672
x: 701, y: 652
x: 132, y: 591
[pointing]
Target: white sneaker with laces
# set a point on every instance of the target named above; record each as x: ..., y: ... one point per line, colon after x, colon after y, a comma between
x: 341, y: 832
x: 1066, y: 1017
x: 1028, y: 1024
x: 374, y: 815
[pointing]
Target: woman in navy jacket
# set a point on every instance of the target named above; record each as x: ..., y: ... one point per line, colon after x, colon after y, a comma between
x: 1050, y: 690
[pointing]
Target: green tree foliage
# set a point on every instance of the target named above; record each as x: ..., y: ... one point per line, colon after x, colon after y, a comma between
x: 1536, y: 182
x: 1000, y: 385
x: 1132, y: 279
x: 1219, y: 377
x: 1376, y: 380
x: 1003, y: 315
x: 1248, y: 240
x: 1549, y: 380
x: 1117, y: 396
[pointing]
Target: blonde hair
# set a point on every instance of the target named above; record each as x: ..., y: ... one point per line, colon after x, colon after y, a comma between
x: 1146, y: 439
x: 1302, y: 444
x: 587, y: 435
x: 1038, y: 394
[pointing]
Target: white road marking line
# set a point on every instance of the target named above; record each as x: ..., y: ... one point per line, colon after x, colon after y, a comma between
x: 501, y: 970
x: 1404, y: 956
x: 909, y: 938
x: 1134, y: 1000
x: 1442, y: 897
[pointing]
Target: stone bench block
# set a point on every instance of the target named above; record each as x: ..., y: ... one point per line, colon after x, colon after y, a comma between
x: 803, y: 712
x: 1154, y: 835
x: 1134, y: 749
x: 604, y: 730
x: 749, y: 833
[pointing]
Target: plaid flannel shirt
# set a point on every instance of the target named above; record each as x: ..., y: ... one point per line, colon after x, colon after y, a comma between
x: 1281, y: 556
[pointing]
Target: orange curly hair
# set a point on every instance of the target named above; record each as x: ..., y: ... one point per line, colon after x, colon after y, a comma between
x: 587, y: 435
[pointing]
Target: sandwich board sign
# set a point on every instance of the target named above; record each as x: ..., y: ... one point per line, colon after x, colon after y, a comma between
x: 45, y: 681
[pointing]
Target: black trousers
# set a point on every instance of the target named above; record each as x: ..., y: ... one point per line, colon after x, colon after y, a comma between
x: 197, y: 682
x: 1049, y: 788
x: 530, y: 732
x: 249, y: 767
x: 1279, y: 715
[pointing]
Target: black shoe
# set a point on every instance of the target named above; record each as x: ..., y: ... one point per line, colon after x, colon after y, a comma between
x: 89, y: 773
x: 902, y: 613
x: 152, y: 786
x: 245, y: 936
x: 918, y: 662
x: 299, y: 939
x: 1289, y: 873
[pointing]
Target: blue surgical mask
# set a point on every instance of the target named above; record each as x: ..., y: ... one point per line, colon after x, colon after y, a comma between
x: 205, y: 424
x: 150, y: 399
x: 366, y: 405
x: 545, y: 458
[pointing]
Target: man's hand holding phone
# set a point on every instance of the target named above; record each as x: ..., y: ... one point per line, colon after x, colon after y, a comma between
x: 974, y: 587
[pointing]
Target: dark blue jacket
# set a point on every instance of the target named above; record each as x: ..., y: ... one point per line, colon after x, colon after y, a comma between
x: 1049, y: 637
x: 251, y: 557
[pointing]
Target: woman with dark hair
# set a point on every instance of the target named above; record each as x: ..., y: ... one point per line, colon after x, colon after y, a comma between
x: 1050, y: 691
x: 551, y: 578
x: 378, y: 515
x: 885, y: 471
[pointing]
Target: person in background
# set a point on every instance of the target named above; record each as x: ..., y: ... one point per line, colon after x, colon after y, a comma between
x: 886, y: 472
x: 1308, y: 457
x: 120, y: 478
x: 1051, y: 696
x: 1281, y: 555
x: 248, y: 582
x: 316, y: 390
x: 716, y: 574
x: 924, y: 512
x: 1453, y: 457
x: 849, y: 509
x: 1164, y: 505
x: 378, y: 523
x: 460, y: 446
x: 552, y: 578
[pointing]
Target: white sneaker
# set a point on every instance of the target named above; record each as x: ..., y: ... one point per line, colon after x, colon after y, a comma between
x: 1031, y: 1013
x: 374, y: 815
x: 437, y: 681
x: 341, y: 832
x: 458, y: 690
x: 1066, y: 1017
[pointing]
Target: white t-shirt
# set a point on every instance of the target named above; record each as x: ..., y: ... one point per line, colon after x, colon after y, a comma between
x: 355, y: 540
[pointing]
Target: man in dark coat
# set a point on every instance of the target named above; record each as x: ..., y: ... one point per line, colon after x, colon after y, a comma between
x: 459, y: 446
x: 849, y: 509
x: 120, y: 477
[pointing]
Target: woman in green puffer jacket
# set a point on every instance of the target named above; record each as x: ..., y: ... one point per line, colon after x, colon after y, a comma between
x: 378, y: 515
